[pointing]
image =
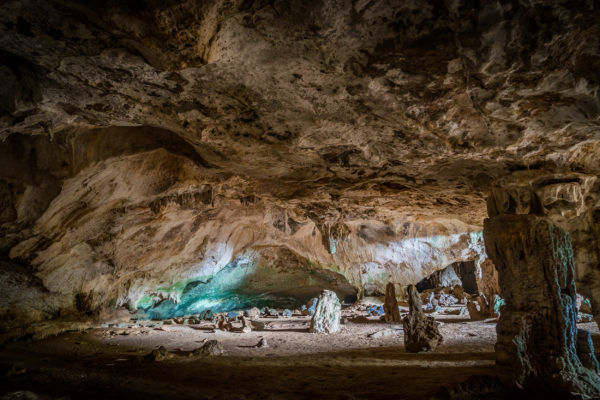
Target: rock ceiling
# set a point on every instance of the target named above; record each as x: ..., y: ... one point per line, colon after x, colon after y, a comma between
x: 138, y: 137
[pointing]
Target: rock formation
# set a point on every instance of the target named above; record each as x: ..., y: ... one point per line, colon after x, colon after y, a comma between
x: 324, y: 132
x: 327, y: 314
x: 390, y: 307
x: 571, y: 201
x: 246, y: 325
x: 539, y: 350
x: 144, y: 152
x: 420, y: 332
x: 210, y: 348
x: 479, y: 308
x: 445, y: 278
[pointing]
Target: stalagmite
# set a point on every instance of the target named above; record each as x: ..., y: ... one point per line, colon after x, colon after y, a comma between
x: 327, y: 314
x: 246, y: 325
x: 420, y: 332
x: 392, y: 313
x: 539, y: 350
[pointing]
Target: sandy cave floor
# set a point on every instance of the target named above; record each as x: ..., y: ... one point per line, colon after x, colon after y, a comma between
x: 110, y: 363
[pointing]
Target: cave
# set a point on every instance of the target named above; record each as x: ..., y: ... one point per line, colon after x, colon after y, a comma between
x: 299, y: 199
x: 462, y: 273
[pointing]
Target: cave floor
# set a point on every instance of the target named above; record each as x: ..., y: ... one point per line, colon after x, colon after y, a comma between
x: 110, y: 363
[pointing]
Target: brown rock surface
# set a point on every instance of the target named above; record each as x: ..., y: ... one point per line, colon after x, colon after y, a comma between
x: 390, y: 306
x: 537, y: 348
x: 420, y: 332
x: 569, y: 200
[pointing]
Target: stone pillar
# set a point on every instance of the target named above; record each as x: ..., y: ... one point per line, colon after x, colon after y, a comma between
x: 420, y: 332
x: 390, y: 307
x: 327, y: 314
x: 536, y: 349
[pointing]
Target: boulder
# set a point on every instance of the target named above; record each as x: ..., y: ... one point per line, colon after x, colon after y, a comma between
x: 223, y: 324
x: 271, y: 312
x: 207, y: 315
x: 328, y: 312
x: 158, y: 354
x: 583, y: 304
x: 253, y: 313
x: 210, y: 348
x: 583, y: 317
x: 246, y: 325
x: 539, y: 351
x: 390, y: 307
x: 420, y: 331
x: 445, y: 278
x: 257, y: 325
x: 478, y: 307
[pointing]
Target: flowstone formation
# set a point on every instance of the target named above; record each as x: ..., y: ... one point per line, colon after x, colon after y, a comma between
x: 327, y: 314
x: 421, y: 332
x: 390, y: 306
x: 539, y: 349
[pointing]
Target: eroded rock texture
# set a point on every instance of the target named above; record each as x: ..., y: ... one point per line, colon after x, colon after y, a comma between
x: 149, y: 145
x: 421, y: 332
x: 572, y: 201
x: 390, y: 306
x: 328, y: 313
x: 24, y: 298
x: 138, y: 229
x: 539, y: 349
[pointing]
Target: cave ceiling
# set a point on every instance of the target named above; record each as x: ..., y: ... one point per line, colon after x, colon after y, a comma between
x: 427, y: 102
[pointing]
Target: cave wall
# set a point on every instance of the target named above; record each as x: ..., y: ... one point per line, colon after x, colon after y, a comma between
x: 147, y: 143
x: 133, y: 225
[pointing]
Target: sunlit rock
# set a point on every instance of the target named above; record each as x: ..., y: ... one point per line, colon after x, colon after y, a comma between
x: 327, y: 315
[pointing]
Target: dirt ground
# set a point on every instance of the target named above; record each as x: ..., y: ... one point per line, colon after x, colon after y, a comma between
x: 110, y: 363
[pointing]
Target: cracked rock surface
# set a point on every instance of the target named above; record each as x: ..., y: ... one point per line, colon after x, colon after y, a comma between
x: 539, y: 348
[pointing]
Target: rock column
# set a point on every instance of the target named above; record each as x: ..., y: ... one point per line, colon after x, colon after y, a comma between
x: 390, y: 307
x: 420, y: 332
x: 537, y: 348
x: 327, y: 314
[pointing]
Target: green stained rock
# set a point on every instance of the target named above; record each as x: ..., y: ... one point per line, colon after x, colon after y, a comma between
x: 327, y: 314
x: 246, y: 283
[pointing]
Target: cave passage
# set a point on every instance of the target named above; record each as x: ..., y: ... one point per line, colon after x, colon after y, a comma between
x: 462, y: 273
x: 245, y: 283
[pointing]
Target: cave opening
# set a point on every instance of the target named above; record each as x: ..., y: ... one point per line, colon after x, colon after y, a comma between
x: 281, y: 280
x: 461, y: 273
